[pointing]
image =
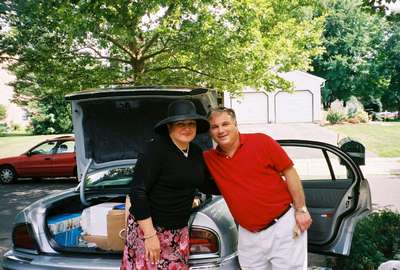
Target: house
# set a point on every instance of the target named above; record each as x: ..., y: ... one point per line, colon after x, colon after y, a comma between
x: 15, y: 114
x: 259, y: 107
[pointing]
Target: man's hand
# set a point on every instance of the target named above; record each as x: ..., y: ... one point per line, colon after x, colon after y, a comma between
x: 303, y: 220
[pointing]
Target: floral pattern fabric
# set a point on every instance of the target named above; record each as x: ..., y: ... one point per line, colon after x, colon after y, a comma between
x: 174, y: 246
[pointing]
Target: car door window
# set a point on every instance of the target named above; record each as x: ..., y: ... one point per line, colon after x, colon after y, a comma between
x: 66, y: 147
x: 44, y: 149
x: 316, y: 164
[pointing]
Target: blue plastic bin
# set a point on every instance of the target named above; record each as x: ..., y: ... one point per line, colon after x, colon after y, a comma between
x: 66, y: 229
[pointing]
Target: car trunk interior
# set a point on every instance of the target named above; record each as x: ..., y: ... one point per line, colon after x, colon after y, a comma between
x: 65, y: 220
x: 97, y: 228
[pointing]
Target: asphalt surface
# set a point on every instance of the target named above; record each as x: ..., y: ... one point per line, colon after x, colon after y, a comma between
x: 15, y: 197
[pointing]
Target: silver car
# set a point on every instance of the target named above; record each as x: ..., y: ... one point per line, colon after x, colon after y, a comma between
x: 111, y: 126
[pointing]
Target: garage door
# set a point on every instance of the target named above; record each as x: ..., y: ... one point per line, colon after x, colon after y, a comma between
x: 251, y: 108
x: 294, y: 107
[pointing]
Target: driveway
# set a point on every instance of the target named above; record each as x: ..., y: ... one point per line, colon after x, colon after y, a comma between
x: 305, y: 131
x: 293, y: 131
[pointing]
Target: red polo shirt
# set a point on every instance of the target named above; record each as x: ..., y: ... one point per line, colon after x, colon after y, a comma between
x: 251, y: 180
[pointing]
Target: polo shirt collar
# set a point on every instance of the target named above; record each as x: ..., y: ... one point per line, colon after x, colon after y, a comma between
x: 242, y: 140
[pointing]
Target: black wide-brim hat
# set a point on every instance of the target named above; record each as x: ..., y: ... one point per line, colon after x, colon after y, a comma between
x: 181, y: 110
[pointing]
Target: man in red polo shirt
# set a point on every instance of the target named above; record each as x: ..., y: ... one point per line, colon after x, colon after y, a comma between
x: 263, y: 192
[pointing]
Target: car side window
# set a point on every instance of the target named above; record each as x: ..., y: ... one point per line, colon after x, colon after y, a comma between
x: 66, y: 147
x: 315, y: 164
x: 44, y: 149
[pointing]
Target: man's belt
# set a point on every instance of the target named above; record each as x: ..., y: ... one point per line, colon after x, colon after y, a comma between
x: 275, y: 220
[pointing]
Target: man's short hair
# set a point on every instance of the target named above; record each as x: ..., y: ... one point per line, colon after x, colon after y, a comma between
x: 222, y: 109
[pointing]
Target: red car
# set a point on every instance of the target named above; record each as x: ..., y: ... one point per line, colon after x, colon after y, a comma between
x: 51, y: 158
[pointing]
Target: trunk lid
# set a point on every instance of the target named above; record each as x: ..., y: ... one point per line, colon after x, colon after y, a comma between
x: 111, y: 125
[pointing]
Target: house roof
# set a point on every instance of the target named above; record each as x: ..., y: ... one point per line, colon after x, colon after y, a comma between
x: 295, y: 75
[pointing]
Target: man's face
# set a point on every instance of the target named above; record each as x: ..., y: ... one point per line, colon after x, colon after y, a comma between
x: 223, y: 129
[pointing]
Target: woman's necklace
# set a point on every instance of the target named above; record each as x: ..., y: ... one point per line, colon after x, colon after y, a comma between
x: 185, y: 152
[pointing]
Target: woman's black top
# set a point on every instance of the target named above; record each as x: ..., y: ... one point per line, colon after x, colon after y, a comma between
x: 165, y: 181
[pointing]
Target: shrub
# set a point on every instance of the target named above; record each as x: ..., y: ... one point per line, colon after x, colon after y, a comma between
x: 362, y: 116
x: 376, y: 240
x: 335, y: 117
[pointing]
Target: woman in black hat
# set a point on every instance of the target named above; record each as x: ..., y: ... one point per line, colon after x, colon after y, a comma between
x: 165, y: 179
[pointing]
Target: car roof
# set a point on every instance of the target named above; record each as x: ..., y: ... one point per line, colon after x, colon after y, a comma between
x: 64, y: 137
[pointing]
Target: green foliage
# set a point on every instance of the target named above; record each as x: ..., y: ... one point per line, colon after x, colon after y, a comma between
x: 65, y: 46
x: 335, y: 117
x: 352, y: 63
x: 3, y: 129
x: 3, y: 112
x: 50, y: 115
x: 58, y: 47
x: 372, y: 104
x: 391, y: 97
x: 376, y: 240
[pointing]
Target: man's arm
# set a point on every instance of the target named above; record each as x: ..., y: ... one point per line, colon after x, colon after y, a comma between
x: 303, y: 218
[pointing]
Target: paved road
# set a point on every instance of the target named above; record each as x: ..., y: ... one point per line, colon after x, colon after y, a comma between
x: 16, y: 197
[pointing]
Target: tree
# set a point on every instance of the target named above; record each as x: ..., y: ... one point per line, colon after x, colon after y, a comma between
x: 351, y: 63
x: 64, y: 46
x: 391, y: 97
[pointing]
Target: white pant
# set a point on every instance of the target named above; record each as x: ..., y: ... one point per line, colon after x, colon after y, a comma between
x: 273, y: 248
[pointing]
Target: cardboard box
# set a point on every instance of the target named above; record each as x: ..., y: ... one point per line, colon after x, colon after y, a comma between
x: 116, y: 229
x: 100, y: 241
x: 116, y: 219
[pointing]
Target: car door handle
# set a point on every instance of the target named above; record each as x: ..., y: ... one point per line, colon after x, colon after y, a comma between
x: 47, y: 158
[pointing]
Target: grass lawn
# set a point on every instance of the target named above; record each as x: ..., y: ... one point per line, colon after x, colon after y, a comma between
x: 381, y: 138
x: 16, y: 145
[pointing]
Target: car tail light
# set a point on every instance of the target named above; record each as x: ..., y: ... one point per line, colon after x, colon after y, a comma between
x: 203, y: 241
x: 23, y: 237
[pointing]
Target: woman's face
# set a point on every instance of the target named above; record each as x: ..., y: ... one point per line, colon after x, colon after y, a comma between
x: 182, y: 132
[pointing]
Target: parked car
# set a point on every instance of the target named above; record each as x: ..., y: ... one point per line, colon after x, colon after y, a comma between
x: 50, y: 158
x: 110, y: 129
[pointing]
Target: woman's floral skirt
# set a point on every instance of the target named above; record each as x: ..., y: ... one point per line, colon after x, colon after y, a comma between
x: 174, y: 246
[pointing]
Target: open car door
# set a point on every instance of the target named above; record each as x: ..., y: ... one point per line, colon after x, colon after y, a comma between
x: 337, y: 195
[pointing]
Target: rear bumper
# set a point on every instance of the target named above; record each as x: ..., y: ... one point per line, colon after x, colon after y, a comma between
x: 14, y: 260
x: 228, y: 263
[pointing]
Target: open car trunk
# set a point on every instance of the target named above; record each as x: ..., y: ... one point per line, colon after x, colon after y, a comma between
x: 98, y: 228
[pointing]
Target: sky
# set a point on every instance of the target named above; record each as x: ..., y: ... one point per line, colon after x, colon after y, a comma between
x: 394, y: 7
